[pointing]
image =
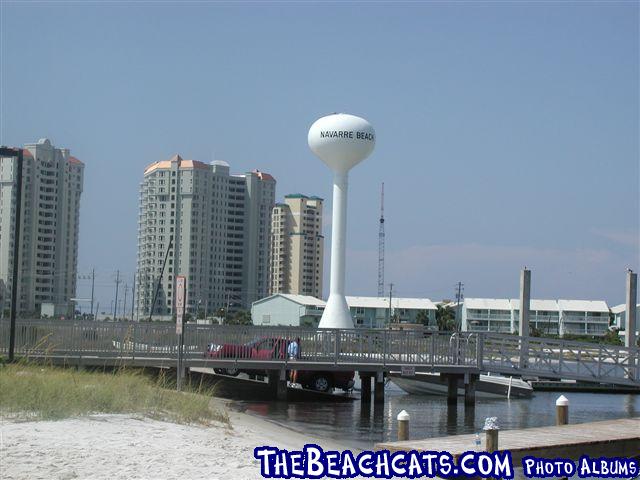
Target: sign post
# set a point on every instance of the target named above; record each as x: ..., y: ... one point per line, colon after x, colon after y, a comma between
x: 181, y: 290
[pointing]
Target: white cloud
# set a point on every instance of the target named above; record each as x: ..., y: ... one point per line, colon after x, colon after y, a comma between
x: 627, y: 238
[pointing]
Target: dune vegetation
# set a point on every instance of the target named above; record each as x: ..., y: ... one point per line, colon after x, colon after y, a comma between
x: 36, y: 392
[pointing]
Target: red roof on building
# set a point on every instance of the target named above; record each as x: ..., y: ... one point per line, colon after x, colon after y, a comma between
x: 183, y: 164
x: 194, y: 164
x: 26, y: 153
x: 75, y: 161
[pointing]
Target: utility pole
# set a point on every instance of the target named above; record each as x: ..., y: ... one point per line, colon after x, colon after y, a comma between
x: 390, y: 296
x: 176, y: 234
x: 226, y: 312
x: 381, y: 246
x: 93, y: 284
x: 133, y: 295
x: 459, y: 298
x: 124, y: 303
x: 115, y: 304
x: 17, y: 154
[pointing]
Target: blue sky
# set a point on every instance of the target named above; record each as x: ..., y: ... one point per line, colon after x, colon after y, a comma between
x: 507, y: 132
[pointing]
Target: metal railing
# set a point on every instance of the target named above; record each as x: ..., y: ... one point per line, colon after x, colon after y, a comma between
x: 556, y: 358
x: 37, y: 338
x: 368, y: 349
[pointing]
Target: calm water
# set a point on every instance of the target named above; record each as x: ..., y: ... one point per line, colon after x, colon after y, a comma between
x: 358, y: 427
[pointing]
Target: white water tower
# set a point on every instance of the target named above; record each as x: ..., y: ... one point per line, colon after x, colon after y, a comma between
x: 341, y: 141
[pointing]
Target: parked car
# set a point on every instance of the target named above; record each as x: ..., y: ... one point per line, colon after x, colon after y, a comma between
x: 276, y: 348
x: 323, y: 381
x: 264, y: 349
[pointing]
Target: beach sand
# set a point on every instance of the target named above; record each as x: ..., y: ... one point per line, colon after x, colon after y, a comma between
x: 117, y: 447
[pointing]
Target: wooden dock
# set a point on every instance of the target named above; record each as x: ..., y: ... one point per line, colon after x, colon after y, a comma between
x: 620, y: 438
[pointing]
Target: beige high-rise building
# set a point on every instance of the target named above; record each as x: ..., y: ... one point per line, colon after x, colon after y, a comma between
x: 50, y: 216
x: 199, y: 220
x: 297, y: 246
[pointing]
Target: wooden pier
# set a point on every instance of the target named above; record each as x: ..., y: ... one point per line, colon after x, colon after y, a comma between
x: 620, y: 438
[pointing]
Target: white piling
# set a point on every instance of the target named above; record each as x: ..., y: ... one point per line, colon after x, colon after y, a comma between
x: 403, y: 426
x: 562, y: 410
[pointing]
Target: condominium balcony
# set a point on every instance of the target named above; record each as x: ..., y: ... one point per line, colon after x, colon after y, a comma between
x: 488, y: 316
x: 586, y: 319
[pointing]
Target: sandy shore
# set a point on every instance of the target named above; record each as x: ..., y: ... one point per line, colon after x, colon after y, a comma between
x: 125, y: 447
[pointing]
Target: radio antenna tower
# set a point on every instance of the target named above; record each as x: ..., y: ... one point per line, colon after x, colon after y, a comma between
x: 381, y: 246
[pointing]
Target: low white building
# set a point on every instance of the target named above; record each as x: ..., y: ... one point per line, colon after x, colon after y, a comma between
x: 576, y: 317
x: 619, y: 313
x: 486, y: 315
x: 284, y: 309
x: 583, y: 317
x: 367, y: 312
x: 544, y: 316
x: 373, y: 312
x: 56, y: 310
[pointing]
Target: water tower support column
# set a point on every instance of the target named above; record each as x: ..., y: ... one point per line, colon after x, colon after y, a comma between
x: 336, y: 314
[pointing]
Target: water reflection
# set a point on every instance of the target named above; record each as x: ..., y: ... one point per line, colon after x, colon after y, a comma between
x: 361, y: 425
x: 469, y: 417
x: 452, y: 419
x: 365, y: 416
x: 630, y: 406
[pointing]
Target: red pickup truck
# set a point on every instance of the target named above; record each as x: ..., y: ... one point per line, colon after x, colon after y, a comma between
x: 276, y: 348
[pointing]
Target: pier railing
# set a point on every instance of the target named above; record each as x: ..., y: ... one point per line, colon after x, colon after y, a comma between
x: 90, y: 342
x: 555, y: 358
x: 128, y: 340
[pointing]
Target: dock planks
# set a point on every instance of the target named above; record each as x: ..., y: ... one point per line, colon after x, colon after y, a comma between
x: 619, y: 438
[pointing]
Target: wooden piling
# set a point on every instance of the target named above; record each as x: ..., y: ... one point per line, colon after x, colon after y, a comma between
x: 562, y: 410
x: 365, y: 387
x: 378, y: 392
x: 452, y: 390
x: 491, y: 440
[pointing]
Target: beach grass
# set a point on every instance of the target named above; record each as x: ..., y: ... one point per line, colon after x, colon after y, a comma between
x: 36, y: 392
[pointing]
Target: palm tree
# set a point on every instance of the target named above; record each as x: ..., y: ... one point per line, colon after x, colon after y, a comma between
x: 422, y: 317
x: 445, y: 318
x: 241, y: 317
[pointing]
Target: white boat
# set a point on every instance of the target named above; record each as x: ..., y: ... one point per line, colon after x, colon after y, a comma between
x: 488, y: 386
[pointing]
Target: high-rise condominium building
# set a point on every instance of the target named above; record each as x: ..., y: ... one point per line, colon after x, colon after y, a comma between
x: 50, y: 208
x: 199, y: 221
x: 297, y: 246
